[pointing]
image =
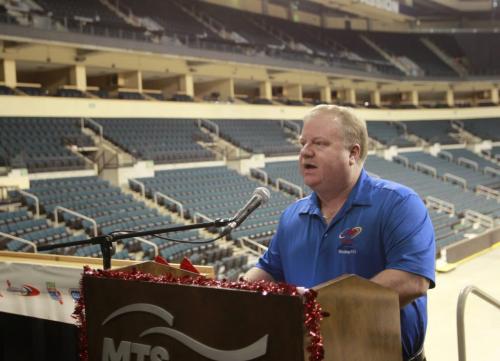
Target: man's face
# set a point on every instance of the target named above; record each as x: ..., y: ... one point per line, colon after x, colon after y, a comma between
x: 323, y: 159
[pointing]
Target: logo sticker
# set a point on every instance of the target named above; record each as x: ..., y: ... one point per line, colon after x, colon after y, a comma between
x: 54, y: 293
x: 24, y: 290
x: 75, y: 293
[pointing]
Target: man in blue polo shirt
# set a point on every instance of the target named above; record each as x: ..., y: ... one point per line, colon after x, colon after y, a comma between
x: 353, y: 223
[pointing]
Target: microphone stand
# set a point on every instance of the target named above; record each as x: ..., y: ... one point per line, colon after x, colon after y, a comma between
x: 106, y: 241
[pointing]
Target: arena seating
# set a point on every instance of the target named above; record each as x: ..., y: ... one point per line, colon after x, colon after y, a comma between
x: 130, y: 95
x: 216, y: 192
x: 5, y: 90
x: 160, y: 140
x: 438, y: 132
x: 33, y: 91
x: 494, y: 153
x: 175, y: 21
x: 484, y: 128
x: 287, y: 170
x: 267, y: 137
x: 481, y: 60
x: 410, y: 46
x: 470, y: 156
x: 69, y: 93
x: 444, y: 166
x: 426, y: 185
x: 91, y: 17
x: 23, y: 225
x: 112, y: 211
x: 388, y: 134
x: 40, y: 143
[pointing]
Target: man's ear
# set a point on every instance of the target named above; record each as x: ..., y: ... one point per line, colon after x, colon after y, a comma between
x: 355, y: 154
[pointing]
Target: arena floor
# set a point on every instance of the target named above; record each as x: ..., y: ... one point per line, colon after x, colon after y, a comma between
x: 482, y: 321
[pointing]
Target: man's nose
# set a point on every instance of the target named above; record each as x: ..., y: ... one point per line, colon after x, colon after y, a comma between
x: 306, y: 151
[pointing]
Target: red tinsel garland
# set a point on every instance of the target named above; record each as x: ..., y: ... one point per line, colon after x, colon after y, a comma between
x: 312, y: 310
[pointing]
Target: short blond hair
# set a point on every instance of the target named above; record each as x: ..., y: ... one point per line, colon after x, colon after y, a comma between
x: 354, y: 128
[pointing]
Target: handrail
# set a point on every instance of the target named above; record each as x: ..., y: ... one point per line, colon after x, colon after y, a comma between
x: 37, y: 202
x: 432, y: 170
x: 140, y: 184
x: 176, y: 202
x: 216, y: 127
x: 468, y: 162
x: 92, y: 121
x: 488, y: 192
x: 447, y: 155
x: 480, y: 218
x: 201, y: 215
x: 402, y: 158
x: 462, y: 298
x: 143, y: 240
x: 402, y: 125
x: 457, y: 179
x: 491, y: 170
x: 292, y: 125
x: 293, y: 185
x: 60, y: 208
x: 261, y: 249
x: 459, y: 123
x: 440, y: 204
x: 32, y: 244
x: 264, y: 174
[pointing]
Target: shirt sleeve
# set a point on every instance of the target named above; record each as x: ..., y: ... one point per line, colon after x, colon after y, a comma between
x: 270, y: 261
x: 409, y: 238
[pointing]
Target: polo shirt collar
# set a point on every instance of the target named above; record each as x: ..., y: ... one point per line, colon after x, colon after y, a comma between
x: 359, y: 196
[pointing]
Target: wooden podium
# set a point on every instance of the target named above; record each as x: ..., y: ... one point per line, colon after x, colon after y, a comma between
x: 135, y: 320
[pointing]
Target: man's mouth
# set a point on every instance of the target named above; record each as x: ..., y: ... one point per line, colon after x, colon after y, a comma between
x: 309, y: 166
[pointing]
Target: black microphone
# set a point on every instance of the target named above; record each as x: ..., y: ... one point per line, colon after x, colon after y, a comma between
x: 260, y: 196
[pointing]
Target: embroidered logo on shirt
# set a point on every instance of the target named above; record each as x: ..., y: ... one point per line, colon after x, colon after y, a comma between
x: 350, y: 232
x: 346, y: 237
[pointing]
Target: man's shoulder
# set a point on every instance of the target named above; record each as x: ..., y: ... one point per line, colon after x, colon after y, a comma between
x: 385, y: 187
x: 300, y: 205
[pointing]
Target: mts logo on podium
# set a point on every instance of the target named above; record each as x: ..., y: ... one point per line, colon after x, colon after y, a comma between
x: 126, y: 350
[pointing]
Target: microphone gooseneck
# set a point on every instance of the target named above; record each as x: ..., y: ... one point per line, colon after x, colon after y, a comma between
x: 260, y: 196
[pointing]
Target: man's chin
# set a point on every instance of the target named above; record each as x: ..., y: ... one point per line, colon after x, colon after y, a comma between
x: 310, y: 183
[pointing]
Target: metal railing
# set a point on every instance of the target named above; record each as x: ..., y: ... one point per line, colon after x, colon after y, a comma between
x: 94, y: 123
x: 35, y: 249
x: 402, y: 160
x: 37, y: 202
x: 252, y: 246
x: 76, y: 214
x: 440, y: 204
x: 154, y: 245
x: 480, y: 218
x: 468, y: 163
x: 140, y: 184
x: 212, y: 126
x: 454, y: 179
x: 179, y: 205
x: 447, y: 155
x: 462, y: 298
x: 261, y: 172
x: 422, y: 167
x: 281, y: 181
x: 198, y: 215
x: 492, y: 171
x: 488, y: 192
